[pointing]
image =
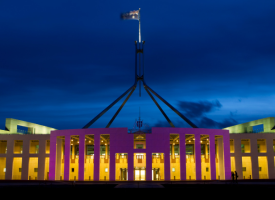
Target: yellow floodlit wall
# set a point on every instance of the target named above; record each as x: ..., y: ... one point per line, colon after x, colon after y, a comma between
x: 158, y: 163
x: 16, y: 168
x: 47, y: 165
x: 3, y: 146
x: 232, y: 149
x: 261, y: 145
x: 47, y: 146
x: 34, y: 147
x: 233, y: 164
x: 245, y: 145
x: 89, y: 168
x: 2, y: 168
x: 263, y: 167
x: 33, y: 168
x: 121, y: 163
x: 18, y: 147
x: 247, y: 167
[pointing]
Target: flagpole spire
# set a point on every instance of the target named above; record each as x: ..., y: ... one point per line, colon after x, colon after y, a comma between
x: 139, y: 27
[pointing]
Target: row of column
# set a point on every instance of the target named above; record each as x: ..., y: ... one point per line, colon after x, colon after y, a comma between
x: 254, y: 157
x: 55, y: 146
x: 25, y: 160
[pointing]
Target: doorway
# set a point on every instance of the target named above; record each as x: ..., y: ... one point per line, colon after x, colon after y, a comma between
x: 140, y: 174
x: 156, y: 174
x: 123, y: 174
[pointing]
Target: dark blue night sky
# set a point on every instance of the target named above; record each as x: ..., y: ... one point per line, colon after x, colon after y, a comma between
x: 63, y: 62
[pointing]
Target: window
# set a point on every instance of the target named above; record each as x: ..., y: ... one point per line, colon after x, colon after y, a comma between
x: 244, y: 169
x: 3, y: 146
x: 106, y: 169
x: 202, y: 149
x: 90, y: 149
x: 173, y: 169
x: 242, y: 146
x: 139, y: 146
x: 20, y: 169
x: 207, y: 169
x: 72, y: 169
x: 189, y: 149
x: 260, y: 169
x: 35, y: 169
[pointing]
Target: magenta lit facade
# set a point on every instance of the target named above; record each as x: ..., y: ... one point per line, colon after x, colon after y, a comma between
x: 158, y: 141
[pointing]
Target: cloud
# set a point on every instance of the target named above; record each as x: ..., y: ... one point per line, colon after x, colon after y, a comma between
x: 206, y: 122
x: 194, y: 110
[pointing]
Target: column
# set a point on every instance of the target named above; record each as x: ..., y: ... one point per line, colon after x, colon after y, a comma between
x: 53, y: 147
x: 96, y: 156
x: 130, y: 166
x: 25, y: 160
x: 106, y: 151
x: 41, y: 159
x: 167, y: 167
x: 227, y: 159
x: 67, y: 157
x: 57, y: 159
x: 238, y: 157
x: 182, y: 157
x: 149, y: 167
x: 173, y: 151
x: 212, y: 156
x: 254, y: 158
x: 81, y: 157
x: 221, y: 157
x: 9, y: 159
x: 112, y: 164
x: 198, y: 156
x: 270, y: 158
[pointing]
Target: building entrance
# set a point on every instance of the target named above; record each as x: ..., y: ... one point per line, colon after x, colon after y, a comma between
x: 123, y: 174
x: 156, y: 174
x: 139, y: 174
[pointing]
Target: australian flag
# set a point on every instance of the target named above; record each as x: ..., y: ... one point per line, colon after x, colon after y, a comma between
x: 131, y: 15
x: 139, y: 124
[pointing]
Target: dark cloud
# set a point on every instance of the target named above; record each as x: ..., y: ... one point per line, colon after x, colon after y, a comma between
x: 194, y: 110
x: 206, y: 122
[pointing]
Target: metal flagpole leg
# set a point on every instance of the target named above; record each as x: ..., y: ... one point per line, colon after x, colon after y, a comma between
x: 124, y: 102
x: 139, y: 27
x: 170, y: 106
x: 167, y: 118
x: 110, y: 106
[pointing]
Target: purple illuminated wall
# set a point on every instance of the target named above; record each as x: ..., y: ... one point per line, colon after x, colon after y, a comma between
x: 158, y: 141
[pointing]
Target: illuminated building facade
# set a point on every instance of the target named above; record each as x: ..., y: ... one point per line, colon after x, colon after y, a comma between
x: 115, y: 154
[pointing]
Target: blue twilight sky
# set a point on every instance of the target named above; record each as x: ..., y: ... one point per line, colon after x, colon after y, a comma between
x: 63, y: 62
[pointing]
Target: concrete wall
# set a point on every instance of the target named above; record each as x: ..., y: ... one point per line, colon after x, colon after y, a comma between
x: 254, y: 155
x: 11, y: 126
x: 247, y: 127
x: 10, y: 155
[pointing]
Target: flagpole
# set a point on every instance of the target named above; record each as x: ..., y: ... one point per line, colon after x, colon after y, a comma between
x: 139, y: 26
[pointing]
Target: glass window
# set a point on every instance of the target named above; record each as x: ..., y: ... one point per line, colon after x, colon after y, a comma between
x: 76, y: 150
x: 189, y: 149
x: 139, y: 146
x: 3, y: 146
x: 18, y: 146
x: 202, y: 149
x: 90, y: 150
x: 242, y: 146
